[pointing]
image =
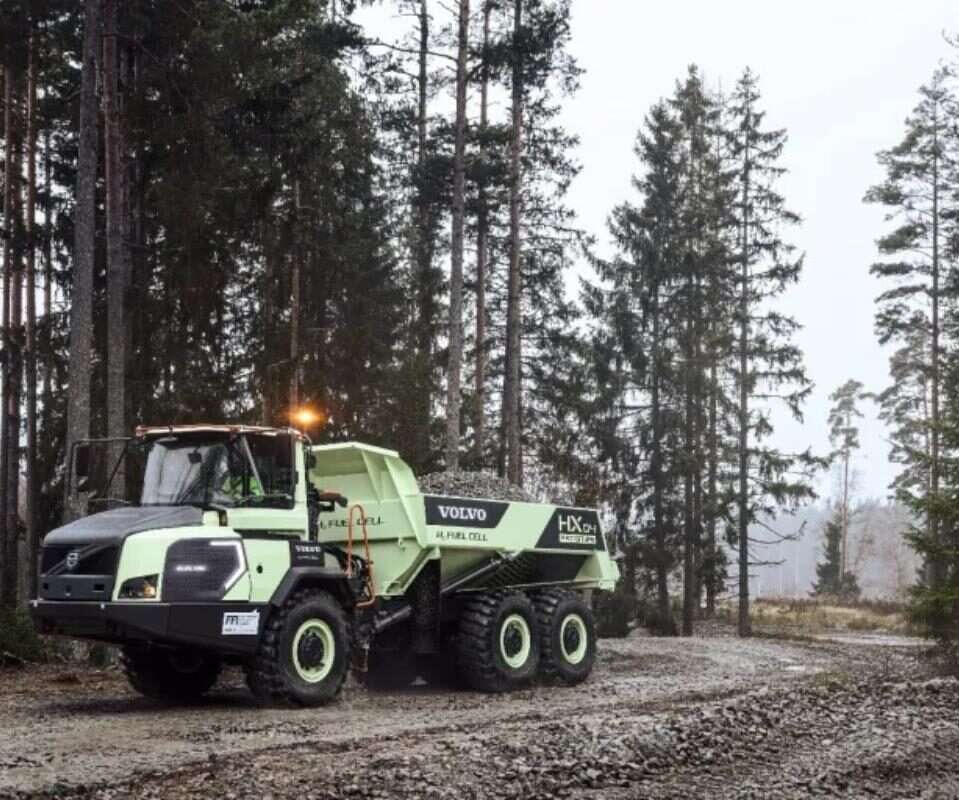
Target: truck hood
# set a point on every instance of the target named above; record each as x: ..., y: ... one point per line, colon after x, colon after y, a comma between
x: 115, y: 525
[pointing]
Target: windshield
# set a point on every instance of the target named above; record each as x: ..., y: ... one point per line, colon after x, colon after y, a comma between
x: 215, y: 471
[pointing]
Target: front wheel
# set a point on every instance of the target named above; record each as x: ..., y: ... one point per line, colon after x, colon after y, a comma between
x: 304, y: 652
x: 171, y: 676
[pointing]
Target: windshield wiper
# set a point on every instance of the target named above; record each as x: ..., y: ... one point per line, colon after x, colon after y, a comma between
x: 245, y: 501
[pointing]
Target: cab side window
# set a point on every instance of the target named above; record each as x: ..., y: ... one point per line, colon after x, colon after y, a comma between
x: 273, y: 457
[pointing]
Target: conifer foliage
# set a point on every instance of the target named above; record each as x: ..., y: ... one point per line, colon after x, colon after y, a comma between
x: 917, y: 312
x: 225, y: 211
x: 688, y: 352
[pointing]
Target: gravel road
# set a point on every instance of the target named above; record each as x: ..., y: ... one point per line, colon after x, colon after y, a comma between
x: 677, y: 718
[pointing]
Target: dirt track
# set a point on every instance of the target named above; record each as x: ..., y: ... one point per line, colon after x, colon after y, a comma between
x: 705, y: 717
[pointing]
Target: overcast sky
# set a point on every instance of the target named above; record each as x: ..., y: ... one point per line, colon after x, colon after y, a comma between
x: 840, y: 76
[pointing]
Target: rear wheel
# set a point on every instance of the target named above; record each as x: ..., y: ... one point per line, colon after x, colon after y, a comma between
x: 304, y: 652
x: 567, y: 636
x: 170, y: 675
x: 498, y: 643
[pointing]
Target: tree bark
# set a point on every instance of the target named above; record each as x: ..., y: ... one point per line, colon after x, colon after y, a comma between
x: 84, y: 246
x: 455, y: 366
x: 269, y: 278
x: 938, y: 564
x: 744, y: 622
x: 295, y: 302
x: 8, y: 534
x: 118, y: 254
x: 482, y: 258
x: 28, y: 552
x: 512, y: 390
x: 423, y: 325
x: 656, y: 467
x: 709, y: 561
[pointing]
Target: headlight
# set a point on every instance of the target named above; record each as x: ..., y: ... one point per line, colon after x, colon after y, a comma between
x: 142, y: 588
x: 202, y: 570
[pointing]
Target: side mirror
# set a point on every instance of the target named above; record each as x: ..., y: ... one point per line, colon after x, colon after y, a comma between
x: 81, y: 467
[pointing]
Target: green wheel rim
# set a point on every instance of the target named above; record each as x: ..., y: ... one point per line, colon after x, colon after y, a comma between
x: 314, y: 650
x: 573, y: 638
x: 515, y: 641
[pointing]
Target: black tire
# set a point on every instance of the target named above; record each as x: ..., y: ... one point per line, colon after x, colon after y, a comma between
x: 171, y: 676
x: 498, y: 642
x: 567, y: 636
x: 304, y: 675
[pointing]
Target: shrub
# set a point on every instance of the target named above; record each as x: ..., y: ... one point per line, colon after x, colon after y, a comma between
x: 19, y: 642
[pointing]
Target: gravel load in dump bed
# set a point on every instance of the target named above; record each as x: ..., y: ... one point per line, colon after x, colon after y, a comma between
x: 478, y: 484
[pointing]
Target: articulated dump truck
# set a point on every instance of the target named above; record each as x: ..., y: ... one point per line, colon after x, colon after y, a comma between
x: 250, y: 546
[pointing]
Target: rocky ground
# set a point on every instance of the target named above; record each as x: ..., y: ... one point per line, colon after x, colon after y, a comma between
x: 710, y: 717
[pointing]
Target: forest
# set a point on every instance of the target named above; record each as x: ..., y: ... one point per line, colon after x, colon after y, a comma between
x: 231, y: 210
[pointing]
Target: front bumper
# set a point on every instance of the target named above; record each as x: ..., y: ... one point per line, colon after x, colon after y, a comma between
x: 199, y: 625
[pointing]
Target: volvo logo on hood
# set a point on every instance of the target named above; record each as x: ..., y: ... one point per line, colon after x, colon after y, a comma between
x: 73, y: 558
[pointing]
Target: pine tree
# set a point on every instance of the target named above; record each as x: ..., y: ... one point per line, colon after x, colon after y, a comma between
x: 455, y: 364
x: 84, y: 251
x: 635, y: 348
x: 767, y: 362
x: 918, y: 193
x: 844, y: 438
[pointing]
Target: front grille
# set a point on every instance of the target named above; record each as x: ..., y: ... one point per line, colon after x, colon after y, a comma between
x: 198, y: 569
x: 92, y: 559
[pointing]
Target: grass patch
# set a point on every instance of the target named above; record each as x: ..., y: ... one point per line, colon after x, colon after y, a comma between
x: 19, y: 642
x: 829, y: 614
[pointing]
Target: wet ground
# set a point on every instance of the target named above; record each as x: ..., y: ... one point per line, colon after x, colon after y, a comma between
x: 685, y: 718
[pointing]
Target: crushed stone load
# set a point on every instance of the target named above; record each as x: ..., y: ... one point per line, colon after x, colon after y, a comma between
x: 478, y: 484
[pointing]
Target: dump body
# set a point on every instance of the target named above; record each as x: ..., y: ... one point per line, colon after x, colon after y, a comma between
x: 543, y: 544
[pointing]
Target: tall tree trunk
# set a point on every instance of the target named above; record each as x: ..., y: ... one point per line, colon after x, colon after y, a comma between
x: 29, y: 551
x: 296, y: 280
x: 745, y: 624
x: 84, y: 248
x: 512, y: 390
x: 455, y: 366
x: 423, y: 336
x: 656, y: 467
x: 48, y: 361
x: 14, y: 376
x: 709, y: 561
x: 689, y: 563
x: 482, y: 257
x: 8, y: 533
x: 935, y: 371
x: 269, y: 279
x: 117, y: 241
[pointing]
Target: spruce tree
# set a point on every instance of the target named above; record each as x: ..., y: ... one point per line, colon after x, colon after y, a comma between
x: 767, y: 363
x: 915, y: 311
x: 831, y: 579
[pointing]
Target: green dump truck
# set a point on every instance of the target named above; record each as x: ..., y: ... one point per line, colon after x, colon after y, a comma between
x: 251, y: 546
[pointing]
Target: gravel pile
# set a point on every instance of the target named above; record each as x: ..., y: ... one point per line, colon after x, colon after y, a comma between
x: 478, y: 484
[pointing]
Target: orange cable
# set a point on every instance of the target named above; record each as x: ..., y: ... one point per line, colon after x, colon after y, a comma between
x: 366, y: 550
